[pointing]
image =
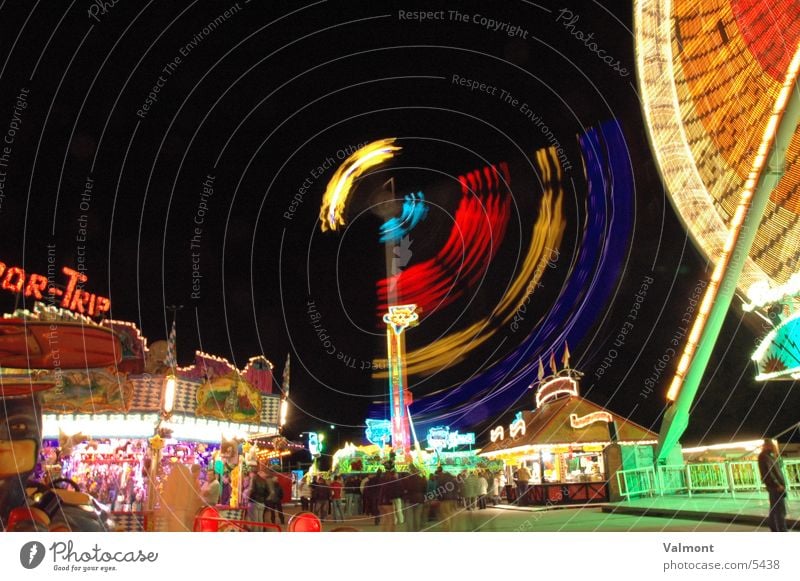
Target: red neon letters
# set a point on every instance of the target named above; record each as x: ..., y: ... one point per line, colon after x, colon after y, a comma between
x: 73, y: 297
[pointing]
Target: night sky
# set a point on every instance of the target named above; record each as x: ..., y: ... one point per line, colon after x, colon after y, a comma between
x: 164, y: 146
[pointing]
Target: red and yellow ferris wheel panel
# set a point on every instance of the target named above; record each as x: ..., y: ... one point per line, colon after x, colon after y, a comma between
x: 709, y: 73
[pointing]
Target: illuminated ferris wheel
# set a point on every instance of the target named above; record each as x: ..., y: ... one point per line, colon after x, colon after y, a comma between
x: 710, y: 72
x: 718, y: 80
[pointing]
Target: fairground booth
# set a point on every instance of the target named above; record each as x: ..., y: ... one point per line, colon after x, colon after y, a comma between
x: 450, y: 450
x: 570, y: 447
x: 117, y: 432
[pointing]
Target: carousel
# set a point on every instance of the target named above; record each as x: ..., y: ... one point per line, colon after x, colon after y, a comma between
x: 118, y: 417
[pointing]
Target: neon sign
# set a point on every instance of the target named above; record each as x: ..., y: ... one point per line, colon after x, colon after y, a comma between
x: 498, y: 433
x: 583, y: 421
x: 515, y: 428
x: 455, y: 439
x: 554, y: 388
x: 378, y: 432
x: 441, y: 437
x: 14, y: 279
x: 313, y: 444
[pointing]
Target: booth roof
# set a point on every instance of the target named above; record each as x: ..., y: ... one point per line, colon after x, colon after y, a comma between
x: 550, y: 425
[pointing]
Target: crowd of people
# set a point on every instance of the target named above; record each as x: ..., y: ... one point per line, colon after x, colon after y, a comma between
x: 264, y: 494
x: 408, y: 500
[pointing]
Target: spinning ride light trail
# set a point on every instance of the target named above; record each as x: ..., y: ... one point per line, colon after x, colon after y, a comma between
x: 334, y: 200
x: 479, y: 227
x: 414, y: 211
x: 590, y: 280
x: 591, y: 273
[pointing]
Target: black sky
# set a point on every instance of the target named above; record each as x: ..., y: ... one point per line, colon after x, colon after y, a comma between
x: 258, y: 102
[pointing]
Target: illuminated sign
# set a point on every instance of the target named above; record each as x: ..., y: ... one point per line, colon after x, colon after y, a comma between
x: 400, y: 317
x: 583, y: 421
x: 498, y: 433
x: 313, y: 443
x: 455, y: 439
x: 554, y: 388
x: 14, y: 279
x: 441, y: 437
x: 379, y: 432
x: 437, y: 437
x: 515, y: 428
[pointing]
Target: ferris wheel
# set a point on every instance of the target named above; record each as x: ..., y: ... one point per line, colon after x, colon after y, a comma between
x: 718, y: 80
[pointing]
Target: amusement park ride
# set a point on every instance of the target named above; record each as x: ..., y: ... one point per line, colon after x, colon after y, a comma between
x: 725, y: 137
x: 687, y: 93
x: 37, y: 351
x: 397, y: 320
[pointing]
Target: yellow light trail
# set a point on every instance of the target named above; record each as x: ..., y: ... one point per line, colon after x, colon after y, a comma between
x: 546, y: 235
x: 331, y: 214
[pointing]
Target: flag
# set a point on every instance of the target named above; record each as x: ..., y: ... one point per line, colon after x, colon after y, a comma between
x: 541, y: 370
x: 171, y: 361
x: 565, y: 358
x: 284, y: 409
x: 553, y: 365
x: 285, y: 383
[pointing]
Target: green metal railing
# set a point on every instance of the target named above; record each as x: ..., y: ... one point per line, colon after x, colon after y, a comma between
x: 744, y: 476
x: 708, y: 477
x: 673, y: 479
x: 727, y: 477
x: 791, y: 471
x: 637, y: 482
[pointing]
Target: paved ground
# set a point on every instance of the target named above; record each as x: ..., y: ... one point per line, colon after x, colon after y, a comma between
x: 588, y: 519
x: 742, y: 509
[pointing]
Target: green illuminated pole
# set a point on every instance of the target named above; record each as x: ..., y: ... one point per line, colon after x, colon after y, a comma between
x: 676, y: 418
